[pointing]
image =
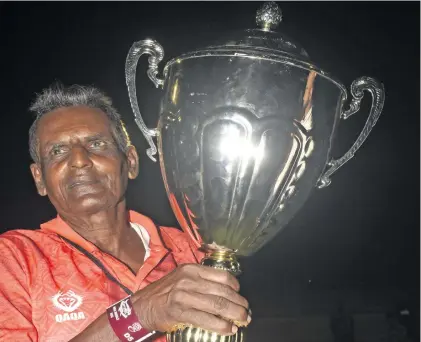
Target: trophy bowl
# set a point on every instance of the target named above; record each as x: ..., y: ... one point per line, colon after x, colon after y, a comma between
x: 245, y: 131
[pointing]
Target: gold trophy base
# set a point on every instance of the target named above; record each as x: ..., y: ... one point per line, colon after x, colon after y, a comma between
x: 220, y: 259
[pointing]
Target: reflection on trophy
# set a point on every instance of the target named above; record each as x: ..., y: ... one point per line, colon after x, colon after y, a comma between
x: 245, y: 132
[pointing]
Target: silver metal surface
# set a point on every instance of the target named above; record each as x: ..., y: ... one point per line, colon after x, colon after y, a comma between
x: 242, y: 143
x: 245, y: 133
x: 376, y: 89
x: 156, y: 52
x: 268, y: 16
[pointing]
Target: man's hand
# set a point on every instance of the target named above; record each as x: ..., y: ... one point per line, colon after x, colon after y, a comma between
x: 192, y: 294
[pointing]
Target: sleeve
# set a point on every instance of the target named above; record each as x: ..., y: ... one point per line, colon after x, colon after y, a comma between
x: 15, y: 301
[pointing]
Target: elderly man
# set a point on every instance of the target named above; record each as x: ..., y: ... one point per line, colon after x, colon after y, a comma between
x: 85, y: 272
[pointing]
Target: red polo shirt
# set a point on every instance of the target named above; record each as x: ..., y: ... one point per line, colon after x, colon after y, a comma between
x: 50, y: 291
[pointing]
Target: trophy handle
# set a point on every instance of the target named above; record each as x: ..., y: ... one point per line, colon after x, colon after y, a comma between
x: 156, y: 52
x: 376, y: 89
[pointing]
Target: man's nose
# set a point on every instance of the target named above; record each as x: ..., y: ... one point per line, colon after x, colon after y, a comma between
x: 80, y: 158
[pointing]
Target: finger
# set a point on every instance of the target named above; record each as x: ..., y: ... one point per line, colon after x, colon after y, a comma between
x: 204, y: 286
x: 221, y: 290
x: 218, y: 276
x: 207, y: 321
x: 184, y: 301
x: 219, y: 306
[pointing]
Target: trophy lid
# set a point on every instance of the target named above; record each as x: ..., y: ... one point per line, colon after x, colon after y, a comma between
x: 264, y: 38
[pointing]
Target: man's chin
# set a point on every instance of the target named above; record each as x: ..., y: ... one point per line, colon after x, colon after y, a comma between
x: 89, y: 204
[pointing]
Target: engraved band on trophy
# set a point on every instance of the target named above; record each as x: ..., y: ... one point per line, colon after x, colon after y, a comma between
x: 244, y: 134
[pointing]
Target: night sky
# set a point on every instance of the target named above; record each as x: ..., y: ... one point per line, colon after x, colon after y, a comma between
x: 362, y: 231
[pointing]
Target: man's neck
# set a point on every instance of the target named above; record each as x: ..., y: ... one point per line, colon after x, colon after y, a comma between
x: 110, y: 231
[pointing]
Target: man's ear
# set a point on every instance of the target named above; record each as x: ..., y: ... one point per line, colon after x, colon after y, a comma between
x: 132, y: 162
x: 39, y: 182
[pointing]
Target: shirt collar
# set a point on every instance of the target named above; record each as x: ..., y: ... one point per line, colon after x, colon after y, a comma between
x: 60, y: 227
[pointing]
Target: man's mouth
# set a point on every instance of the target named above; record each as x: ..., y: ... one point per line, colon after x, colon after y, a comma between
x: 79, y: 183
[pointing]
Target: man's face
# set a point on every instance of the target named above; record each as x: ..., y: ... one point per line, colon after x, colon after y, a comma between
x: 81, y: 168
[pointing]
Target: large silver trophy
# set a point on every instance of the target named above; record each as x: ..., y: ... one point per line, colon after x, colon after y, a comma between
x: 245, y: 133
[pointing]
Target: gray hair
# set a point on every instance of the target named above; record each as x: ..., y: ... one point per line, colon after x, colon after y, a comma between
x: 58, y: 96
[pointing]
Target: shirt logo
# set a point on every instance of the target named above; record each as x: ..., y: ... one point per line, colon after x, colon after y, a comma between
x: 68, y: 302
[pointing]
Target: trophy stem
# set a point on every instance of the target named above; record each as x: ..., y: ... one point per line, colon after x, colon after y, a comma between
x: 224, y: 260
x: 220, y: 259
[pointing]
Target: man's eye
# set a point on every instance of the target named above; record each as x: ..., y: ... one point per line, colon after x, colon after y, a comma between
x: 57, y: 150
x: 98, y: 143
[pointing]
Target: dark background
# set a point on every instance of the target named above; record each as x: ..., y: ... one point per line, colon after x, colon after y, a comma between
x: 360, y: 234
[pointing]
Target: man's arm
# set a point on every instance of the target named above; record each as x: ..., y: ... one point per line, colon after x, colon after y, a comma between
x: 191, y: 294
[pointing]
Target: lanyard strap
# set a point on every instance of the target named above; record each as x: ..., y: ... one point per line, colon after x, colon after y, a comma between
x: 97, y: 262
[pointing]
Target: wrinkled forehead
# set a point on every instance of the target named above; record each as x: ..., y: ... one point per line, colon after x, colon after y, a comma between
x: 73, y: 123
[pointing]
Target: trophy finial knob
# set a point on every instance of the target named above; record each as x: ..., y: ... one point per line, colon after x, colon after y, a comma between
x: 269, y: 16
